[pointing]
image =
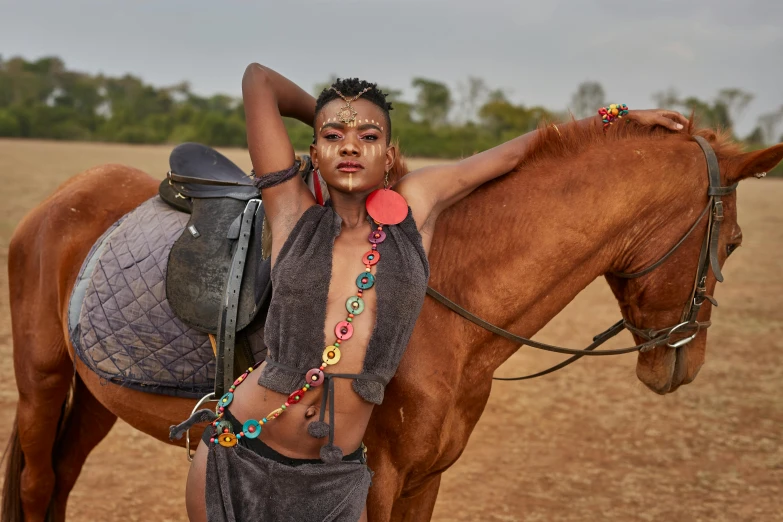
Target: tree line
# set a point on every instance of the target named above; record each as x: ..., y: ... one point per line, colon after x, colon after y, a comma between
x: 43, y: 99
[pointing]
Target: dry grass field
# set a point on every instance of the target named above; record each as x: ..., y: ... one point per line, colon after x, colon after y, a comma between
x: 589, y: 443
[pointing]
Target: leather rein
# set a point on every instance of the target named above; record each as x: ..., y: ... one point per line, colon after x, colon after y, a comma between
x: 688, y: 325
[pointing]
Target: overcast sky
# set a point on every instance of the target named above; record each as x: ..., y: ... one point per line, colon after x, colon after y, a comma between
x: 539, y: 51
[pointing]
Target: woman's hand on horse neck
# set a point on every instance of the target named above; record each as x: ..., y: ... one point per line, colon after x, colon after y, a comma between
x: 268, y: 96
x: 430, y: 190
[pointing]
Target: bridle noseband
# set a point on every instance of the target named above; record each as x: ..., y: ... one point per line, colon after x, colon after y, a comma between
x: 708, y: 259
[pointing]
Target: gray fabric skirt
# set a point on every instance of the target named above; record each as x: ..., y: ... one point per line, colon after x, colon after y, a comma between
x: 242, y: 486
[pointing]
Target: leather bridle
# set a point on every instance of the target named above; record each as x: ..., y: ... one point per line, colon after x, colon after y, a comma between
x: 689, y: 325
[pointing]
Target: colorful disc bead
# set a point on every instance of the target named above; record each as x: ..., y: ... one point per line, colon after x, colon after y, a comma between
x: 226, y: 399
x: 377, y: 236
x: 365, y: 280
x: 223, y: 425
x: 227, y: 440
x: 371, y: 258
x: 343, y: 331
x: 331, y: 355
x: 314, y: 377
x: 251, y: 428
x: 355, y: 305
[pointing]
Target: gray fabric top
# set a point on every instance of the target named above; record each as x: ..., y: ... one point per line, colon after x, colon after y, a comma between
x: 294, y: 331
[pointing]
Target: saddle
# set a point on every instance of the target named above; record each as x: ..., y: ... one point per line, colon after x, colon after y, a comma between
x: 217, y: 280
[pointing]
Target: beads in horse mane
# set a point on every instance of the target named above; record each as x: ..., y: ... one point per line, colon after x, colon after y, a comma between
x: 331, y: 354
x: 614, y: 112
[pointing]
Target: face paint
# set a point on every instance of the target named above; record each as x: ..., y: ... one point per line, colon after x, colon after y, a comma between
x: 350, y: 181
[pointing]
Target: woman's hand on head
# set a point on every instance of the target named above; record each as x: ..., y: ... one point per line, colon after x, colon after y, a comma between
x: 665, y: 118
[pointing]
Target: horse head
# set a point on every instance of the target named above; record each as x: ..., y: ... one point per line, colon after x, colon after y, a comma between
x: 676, y: 296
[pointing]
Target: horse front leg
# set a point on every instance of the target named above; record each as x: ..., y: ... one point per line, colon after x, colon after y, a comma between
x: 418, y: 505
x: 388, y: 502
x: 386, y: 485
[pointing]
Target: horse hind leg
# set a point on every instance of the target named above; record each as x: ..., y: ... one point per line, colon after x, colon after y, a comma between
x: 44, y: 384
x: 44, y: 372
x: 88, y: 422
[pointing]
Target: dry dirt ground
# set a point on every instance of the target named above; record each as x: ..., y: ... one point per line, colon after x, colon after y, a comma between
x: 586, y: 444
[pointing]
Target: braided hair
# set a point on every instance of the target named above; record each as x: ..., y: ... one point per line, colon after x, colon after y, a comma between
x: 351, y: 87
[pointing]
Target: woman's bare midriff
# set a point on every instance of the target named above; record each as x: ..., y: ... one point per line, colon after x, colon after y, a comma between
x: 288, y: 433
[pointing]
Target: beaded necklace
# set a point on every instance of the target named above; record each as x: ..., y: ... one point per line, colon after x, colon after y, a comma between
x: 331, y: 354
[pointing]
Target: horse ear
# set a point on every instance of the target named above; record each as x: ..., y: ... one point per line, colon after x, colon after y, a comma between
x: 752, y: 163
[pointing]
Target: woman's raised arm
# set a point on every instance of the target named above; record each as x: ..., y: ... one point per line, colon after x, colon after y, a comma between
x: 267, y: 97
x: 432, y: 189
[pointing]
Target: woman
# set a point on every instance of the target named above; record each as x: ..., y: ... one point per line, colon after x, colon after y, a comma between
x: 347, y: 291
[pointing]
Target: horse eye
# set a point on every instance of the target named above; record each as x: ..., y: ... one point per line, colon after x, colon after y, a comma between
x: 731, y: 248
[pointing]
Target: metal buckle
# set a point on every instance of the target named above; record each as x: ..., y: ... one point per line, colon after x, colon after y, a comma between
x: 718, y: 211
x: 682, y: 342
x: 206, y: 398
x: 249, y: 201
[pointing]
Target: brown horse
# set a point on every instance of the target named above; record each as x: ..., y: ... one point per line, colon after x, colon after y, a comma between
x: 515, y: 252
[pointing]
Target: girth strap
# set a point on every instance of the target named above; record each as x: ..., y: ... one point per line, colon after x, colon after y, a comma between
x: 227, y: 321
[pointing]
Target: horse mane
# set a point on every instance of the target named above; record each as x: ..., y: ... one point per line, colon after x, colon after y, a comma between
x: 571, y: 140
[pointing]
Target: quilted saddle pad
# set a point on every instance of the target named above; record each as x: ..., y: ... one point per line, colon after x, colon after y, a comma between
x: 126, y: 331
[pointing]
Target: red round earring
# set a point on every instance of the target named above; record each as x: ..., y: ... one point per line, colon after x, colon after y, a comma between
x: 386, y: 206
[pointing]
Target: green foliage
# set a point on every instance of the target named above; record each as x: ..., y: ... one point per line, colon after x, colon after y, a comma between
x: 9, y: 124
x: 42, y: 99
x: 433, y: 101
